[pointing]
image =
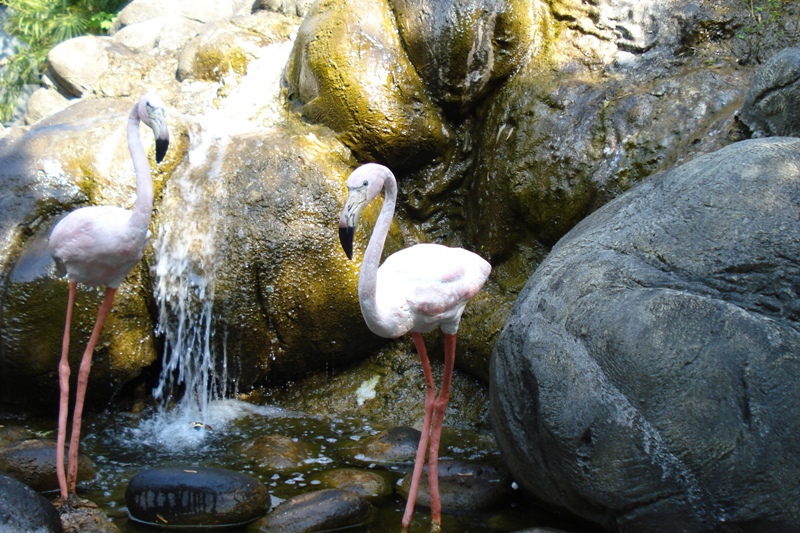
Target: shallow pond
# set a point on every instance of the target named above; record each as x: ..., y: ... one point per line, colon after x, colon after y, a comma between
x: 121, y: 444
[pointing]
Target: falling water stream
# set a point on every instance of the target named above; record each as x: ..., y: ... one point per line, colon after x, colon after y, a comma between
x: 195, y: 371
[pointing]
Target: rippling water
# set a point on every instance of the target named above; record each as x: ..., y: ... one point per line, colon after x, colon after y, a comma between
x: 122, y: 444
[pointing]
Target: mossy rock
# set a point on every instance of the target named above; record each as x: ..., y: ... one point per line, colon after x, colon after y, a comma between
x: 223, y: 50
x: 557, y: 146
x: 463, y: 49
x: 350, y: 73
x: 388, y: 389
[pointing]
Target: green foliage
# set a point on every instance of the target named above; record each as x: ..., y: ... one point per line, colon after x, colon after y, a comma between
x: 101, y: 22
x: 777, y: 21
x: 40, y: 25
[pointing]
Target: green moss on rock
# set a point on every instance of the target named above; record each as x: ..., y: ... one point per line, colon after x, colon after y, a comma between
x: 349, y: 71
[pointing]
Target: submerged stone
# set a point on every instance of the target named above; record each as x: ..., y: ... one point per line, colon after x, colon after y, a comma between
x: 195, y: 496
x: 277, y: 452
x: 464, y: 486
x: 322, y: 510
x: 395, y: 445
x: 33, y: 462
x: 21, y: 509
x: 11, y: 434
x: 367, y: 483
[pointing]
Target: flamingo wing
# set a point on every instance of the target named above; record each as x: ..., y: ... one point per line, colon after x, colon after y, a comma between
x: 427, y: 286
x: 96, y: 245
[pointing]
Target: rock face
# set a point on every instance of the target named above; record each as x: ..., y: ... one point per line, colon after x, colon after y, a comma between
x: 463, y: 49
x: 21, y: 509
x: 144, y: 24
x: 85, y: 63
x: 322, y: 510
x: 772, y: 105
x: 33, y: 462
x: 506, y: 121
x: 653, y: 355
x: 349, y: 70
x: 195, y: 496
x: 374, y: 70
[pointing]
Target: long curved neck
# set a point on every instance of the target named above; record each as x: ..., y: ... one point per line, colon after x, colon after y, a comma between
x: 143, y: 208
x: 368, y: 278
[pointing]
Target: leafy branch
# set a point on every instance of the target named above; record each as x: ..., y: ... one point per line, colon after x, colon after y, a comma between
x: 39, y: 25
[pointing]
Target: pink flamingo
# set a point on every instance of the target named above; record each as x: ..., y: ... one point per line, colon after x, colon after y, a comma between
x: 98, y: 246
x: 416, y: 289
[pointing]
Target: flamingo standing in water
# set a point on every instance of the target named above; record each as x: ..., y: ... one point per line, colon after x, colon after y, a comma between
x: 416, y: 289
x: 98, y: 246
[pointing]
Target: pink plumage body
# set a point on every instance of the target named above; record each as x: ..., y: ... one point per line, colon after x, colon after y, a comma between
x: 428, y: 286
x: 97, y: 245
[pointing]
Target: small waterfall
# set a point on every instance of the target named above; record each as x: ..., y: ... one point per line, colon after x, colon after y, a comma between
x: 186, y: 273
x: 195, y: 363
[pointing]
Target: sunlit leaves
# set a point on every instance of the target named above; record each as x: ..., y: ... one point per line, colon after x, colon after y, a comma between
x: 39, y: 25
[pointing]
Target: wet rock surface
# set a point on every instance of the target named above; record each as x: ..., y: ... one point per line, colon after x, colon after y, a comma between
x: 464, y: 486
x: 33, y: 462
x: 277, y: 452
x: 539, y: 114
x: 670, y: 311
x: 772, y: 104
x: 394, y: 445
x: 83, y: 516
x: 463, y: 49
x: 368, y: 483
x: 195, y: 496
x: 349, y: 72
x: 23, y: 510
x: 317, y: 511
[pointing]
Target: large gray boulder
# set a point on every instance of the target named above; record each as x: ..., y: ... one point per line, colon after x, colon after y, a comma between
x: 22, y: 509
x: 648, y: 377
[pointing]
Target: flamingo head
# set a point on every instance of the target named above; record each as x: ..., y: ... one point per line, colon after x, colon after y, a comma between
x: 153, y: 112
x: 363, y: 186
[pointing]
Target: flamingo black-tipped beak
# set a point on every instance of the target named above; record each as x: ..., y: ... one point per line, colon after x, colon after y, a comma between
x: 162, y: 138
x: 158, y: 123
x: 162, y: 145
x: 346, y: 236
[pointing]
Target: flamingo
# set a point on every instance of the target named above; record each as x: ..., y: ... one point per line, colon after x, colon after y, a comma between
x: 98, y: 246
x: 416, y: 290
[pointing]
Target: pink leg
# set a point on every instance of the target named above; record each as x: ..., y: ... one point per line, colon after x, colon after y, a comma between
x: 83, y: 378
x: 439, y: 408
x: 63, y: 404
x: 426, y: 428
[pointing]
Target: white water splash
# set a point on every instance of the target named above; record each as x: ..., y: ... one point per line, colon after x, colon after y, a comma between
x: 176, y: 431
x: 194, y: 374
